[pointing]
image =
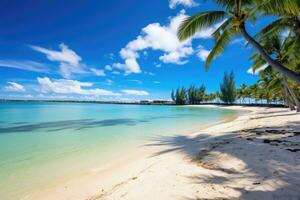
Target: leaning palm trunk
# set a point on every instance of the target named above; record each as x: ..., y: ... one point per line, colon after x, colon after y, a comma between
x: 286, y: 93
x: 293, y: 95
x: 291, y: 105
x: 285, y: 71
x: 288, y: 102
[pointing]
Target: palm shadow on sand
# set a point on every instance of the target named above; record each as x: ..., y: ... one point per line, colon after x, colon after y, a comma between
x: 276, y: 166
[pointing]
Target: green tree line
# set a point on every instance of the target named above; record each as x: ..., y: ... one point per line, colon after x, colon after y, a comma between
x: 267, y: 90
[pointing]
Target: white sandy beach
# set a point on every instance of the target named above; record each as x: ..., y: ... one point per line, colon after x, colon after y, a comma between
x: 255, y: 156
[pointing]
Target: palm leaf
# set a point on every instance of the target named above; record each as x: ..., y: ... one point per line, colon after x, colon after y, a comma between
x: 278, y: 7
x: 230, y: 4
x: 274, y: 27
x: 199, y: 21
x: 217, y: 33
x: 227, y: 4
x: 258, y: 64
x: 222, y: 42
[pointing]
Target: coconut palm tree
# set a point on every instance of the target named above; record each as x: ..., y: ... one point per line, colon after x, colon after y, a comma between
x: 271, y: 84
x: 241, y: 93
x: 284, y: 52
x: 290, y: 21
x: 233, y: 22
x: 254, y: 91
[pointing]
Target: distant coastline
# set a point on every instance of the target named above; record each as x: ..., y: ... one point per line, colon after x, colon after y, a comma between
x: 154, y: 102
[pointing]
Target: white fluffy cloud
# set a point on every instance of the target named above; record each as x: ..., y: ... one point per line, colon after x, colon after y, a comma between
x: 64, y: 86
x: 203, y: 53
x: 250, y: 70
x: 14, y: 87
x: 156, y: 37
x: 98, y: 72
x: 185, y: 3
x: 68, y: 59
x: 108, y: 67
x: 160, y: 38
x: 130, y: 66
x: 136, y: 92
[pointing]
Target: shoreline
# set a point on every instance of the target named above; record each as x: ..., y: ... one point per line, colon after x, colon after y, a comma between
x: 157, y: 164
x: 153, y: 103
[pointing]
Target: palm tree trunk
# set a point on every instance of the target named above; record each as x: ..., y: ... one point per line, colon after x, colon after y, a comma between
x: 289, y: 73
x: 286, y: 93
x: 294, y: 96
x: 288, y: 102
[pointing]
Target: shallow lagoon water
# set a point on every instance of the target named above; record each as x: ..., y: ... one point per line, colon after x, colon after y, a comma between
x: 42, y: 143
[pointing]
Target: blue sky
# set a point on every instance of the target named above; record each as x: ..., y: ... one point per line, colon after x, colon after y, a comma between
x: 108, y: 50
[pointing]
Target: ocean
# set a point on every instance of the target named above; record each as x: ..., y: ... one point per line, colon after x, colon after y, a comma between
x: 44, y: 143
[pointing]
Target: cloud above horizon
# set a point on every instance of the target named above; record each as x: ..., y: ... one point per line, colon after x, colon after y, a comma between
x: 64, y: 86
x: 161, y: 38
x: 203, y: 53
x: 98, y: 72
x: 136, y: 92
x: 69, y: 61
x: 186, y: 3
x: 14, y: 87
x: 156, y: 37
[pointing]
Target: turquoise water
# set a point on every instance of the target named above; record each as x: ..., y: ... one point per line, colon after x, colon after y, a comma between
x: 42, y: 143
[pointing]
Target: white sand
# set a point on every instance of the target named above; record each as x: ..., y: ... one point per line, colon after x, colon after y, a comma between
x: 220, y: 162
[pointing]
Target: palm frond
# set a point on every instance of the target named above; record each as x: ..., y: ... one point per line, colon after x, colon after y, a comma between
x: 258, y: 64
x: 274, y: 27
x: 221, y: 43
x: 278, y: 7
x: 228, y: 4
x: 199, y: 21
x: 218, y: 32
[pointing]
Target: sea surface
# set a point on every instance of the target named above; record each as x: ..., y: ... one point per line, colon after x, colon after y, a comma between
x: 43, y: 143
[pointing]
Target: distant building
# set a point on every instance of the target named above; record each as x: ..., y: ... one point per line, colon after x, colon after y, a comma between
x: 164, y: 102
x: 156, y: 102
x: 145, y: 102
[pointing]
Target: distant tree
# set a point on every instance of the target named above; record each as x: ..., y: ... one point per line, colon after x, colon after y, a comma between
x: 192, y: 94
x: 254, y: 91
x: 242, y: 93
x: 200, y: 97
x: 227, y: 88
x: 179, y: 97
x: 210, y: 97
x: 173, y: 96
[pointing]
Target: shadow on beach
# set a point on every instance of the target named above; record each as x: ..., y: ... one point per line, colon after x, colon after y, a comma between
x: 69, y: 124
x: 267, y: 161
x: 80, y: 124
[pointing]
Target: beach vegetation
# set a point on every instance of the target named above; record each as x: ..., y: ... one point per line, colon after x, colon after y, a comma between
x: 191, y: 95
x: 287, y: 52
x: 233, y: 18
x: 179, y: 96
x: 228, y: 91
